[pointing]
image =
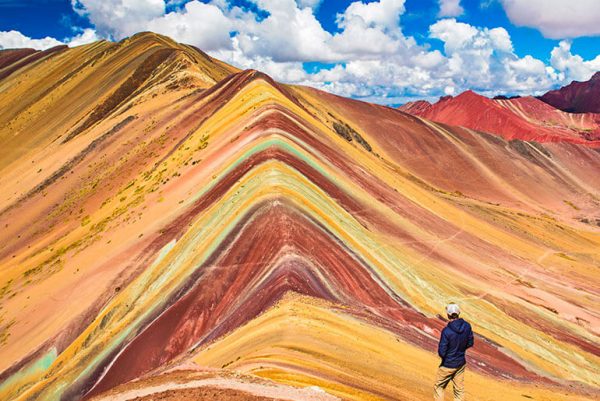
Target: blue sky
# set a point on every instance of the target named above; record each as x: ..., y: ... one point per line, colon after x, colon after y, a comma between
x: 387, y: 51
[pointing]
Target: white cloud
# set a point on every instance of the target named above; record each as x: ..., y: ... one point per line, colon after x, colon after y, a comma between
x: 287, y: 34
x: 314, y: 4
x: 15, y: 40
x: 358, y: 40
x: 199, y: 24
x: 556, y: 19
x: 450, y: 8
x: 371, y: 56
x: 572, y: 67
x: 483, y: 59
x: 86, y: 36
x: 455, y: 35
x: 119, y: 18
x: 449, y: 90
x: 529, y: 75
x: 528, y: 65
x: 500, y: 39
x: 381, y: 14
x: 372, y: 30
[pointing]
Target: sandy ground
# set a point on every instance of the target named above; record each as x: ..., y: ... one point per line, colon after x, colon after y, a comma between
x: 188, y: 385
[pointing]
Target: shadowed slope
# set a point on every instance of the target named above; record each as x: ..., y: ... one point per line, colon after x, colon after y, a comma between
x: 163, y: 230
x: 577, y: 97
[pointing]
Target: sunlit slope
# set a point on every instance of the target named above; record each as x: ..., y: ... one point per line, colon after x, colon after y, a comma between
x: 522, y: 118
x: 555, y: 178
x: 179, y: 225
x: 382, y: 367
x: 61, y: 95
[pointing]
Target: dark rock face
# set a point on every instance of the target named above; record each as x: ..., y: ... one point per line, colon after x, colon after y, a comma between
x: 577, y: 97
x: 504, y: 97
x: 349, y: 133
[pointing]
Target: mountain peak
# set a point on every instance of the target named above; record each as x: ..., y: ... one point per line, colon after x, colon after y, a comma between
x: 416, y: 107
x: 471, y: 94
x: 147, y: 35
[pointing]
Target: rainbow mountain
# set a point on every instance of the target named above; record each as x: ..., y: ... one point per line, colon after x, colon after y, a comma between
x: 174, y: 228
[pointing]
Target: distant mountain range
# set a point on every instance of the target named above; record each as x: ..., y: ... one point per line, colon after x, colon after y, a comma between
x: 549, y: 118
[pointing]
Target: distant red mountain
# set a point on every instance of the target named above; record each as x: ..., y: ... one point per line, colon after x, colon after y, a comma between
x: 577, y: 97
x: 525, y: 118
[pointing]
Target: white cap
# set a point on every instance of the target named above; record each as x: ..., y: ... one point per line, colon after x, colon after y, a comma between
x: 452, y: 309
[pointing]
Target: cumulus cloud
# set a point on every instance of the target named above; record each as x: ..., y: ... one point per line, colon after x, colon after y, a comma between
x: 474, y: 58
x: 314, y: 4
x: 86, y: 36
x: 288, y: 34
x: 203, y: 25
x: 572, y: 66
x: 556, y: 19
x: 369, y: 30
x: 381, y: 14
x: 483, y: 58
x: 369, y: 55
x: 450, y: 8
x: 119, y: 18
x: 15, y: 40
x: 291, y: 33
x: 455, y: 35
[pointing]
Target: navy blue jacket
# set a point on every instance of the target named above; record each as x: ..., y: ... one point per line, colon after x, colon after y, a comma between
x: 457, y: 336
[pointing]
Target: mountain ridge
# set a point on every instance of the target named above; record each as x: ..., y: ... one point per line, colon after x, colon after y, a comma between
x: 577, y: 97
x: 524, y: 118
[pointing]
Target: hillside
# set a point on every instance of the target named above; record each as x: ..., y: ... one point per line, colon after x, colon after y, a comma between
x: 524, y: 118
x: 173, y: 227
x: 577, y: 97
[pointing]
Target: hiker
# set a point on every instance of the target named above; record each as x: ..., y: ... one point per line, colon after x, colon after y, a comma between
x: 456, y: 337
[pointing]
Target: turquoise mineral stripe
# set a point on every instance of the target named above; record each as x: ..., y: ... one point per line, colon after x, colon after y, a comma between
x: 36, y: 367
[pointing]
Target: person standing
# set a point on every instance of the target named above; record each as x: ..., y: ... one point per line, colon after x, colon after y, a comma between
x: 456, y: 337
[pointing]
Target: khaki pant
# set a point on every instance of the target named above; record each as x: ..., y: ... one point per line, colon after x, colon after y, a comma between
x: 447, y: 375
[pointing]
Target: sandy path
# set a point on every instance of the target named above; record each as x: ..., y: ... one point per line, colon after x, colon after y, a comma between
x: 276, y: 391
